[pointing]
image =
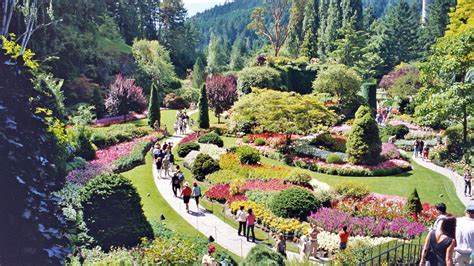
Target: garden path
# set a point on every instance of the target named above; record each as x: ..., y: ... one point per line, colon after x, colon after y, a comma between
x: 457, y: 180
x: 204, y: 221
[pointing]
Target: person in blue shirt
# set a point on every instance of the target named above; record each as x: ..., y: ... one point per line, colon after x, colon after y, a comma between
x: 196, y: 193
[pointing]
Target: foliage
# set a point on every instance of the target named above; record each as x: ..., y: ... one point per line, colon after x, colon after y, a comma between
x: 84, y: 146
x: 306, y: 149
x: 439, y: 155
x: 400, y: 131
x: 113, y: 212
x: 246, y: 139
x: 262, y: 255
x: 184, y: 149
x: 134, y: 158
x: 33, y: 164
x: 248, y: 155
x: 154, y: 113
x: 363, y: 144
x: 281, y: 112
x: 125, y: 97
x: 217, y: 59
x: 203, y: 109
x: 261, y: 197
x: 413, y: 204
x: 294, y: 203
x: 204, y: 165
x: 75, y: 163
x: 84, y: 115
x: 107, y: 136
x: 354, y: 255
x: 258, y: 77
x: 259, y: 142
x: 329, y: 142
x: 369, y: 92
x: 352, y: 189
x: 173, y: 101
x: 199, y: 73
x: 212, y: 138
x: 221, y: 93
x: 334, y: 158
x: 454, y: 143
x: 389, y: 151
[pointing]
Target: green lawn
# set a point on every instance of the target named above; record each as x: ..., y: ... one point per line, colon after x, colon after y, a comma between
x: 168, y: 118
x: 430, y: 185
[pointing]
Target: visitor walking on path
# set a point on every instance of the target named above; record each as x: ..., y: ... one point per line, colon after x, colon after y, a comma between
x: 159, y: 165
x: 467, y: 182
x: 344, y: 238
x: 305, y: 246
x: 441, y: 210
x: 465, y: 237
x: 175, y: 184
x: 208, y: 259
x: 313, y: 234
x: 166, y: 165
x: 186, y: 193
x: 280, y: 245
x: 439, y: 244
x: 416, y: 145
x: 242, y: 219
x: 251, y: 224
x: 196, y: 193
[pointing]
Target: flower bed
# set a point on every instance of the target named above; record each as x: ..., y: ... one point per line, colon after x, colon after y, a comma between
x: 190, y: 137
x: 305, y: 149
x: 424, y: 134
x: 402, y: 122
x: 107, y: 121
x: 105, y: 137
x: 333, y: 220
x: 330, y: 241
x: 407, y: 145
x: 342, y: 129
x: 134, y: 158
x: 104, y: 160
x: 209, y: 149
x: 273, y: 139
x: 388, y: 208
x: 388, y: 167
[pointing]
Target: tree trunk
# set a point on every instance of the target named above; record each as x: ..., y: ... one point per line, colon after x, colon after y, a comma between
x: 464, y: 129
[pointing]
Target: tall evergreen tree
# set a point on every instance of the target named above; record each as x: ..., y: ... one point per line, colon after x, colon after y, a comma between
x: 368, y: 17
x: 237, y: 56
x: 216, y: 58
x: 436, y: 22
x: 349, y: 47
x: 199, y: 73
x: 309, y: 46
x: 329, y: 30
x: 203, y: 108
x: 154, y: 107
x: 323, y: 21
x: 401, y: 28
x: 352, y: 9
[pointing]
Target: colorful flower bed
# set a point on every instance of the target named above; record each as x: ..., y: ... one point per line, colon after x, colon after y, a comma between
x: 190, y: 137
x: 107, y: 121
x: 386, y: 207
x: 104, y: 160
x: 402, y: 122
x: 269, y: 221
x: 330, y: 241
x: 273, y: 139
x: 388, y: 167
x: 342, y: 129
x: 332, y: 220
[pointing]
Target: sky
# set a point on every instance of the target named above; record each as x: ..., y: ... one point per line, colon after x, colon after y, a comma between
x: 195, y: 6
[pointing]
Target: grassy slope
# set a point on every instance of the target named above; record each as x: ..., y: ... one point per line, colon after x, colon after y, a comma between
x: 430, y: 185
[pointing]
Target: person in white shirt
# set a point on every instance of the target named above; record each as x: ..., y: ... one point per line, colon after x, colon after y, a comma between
x: 242, y: 219
x: 441, y: 209
x: 465, y: 237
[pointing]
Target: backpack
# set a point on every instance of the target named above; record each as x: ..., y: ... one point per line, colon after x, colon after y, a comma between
x: 180, y: 177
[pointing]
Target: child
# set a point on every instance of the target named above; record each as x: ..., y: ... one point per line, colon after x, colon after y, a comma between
x: 344, y: 237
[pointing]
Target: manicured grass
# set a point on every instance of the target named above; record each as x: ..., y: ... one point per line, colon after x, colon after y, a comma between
x: 430, y: 185
x: 154, y: 205
x: 168, y: 118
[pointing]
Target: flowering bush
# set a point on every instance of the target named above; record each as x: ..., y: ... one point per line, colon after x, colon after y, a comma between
x: 342, y: 129
x: 332, y: 220
x: 112, y: 120
x: 389, y: 167
x: 261, y: 197
x: 424, y: 134
x: 273, y: 140
x: 190, y: 137
x: 212, y: 150
x: 389, y: 151
x: 402, y: 122
x: 330, y: 241
x: 221, y: 193
x: 223, y: 177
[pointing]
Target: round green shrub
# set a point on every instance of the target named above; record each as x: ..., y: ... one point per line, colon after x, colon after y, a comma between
x: 113, y: 212
x: 248, y: 155
x: 203, y: 166
x: 329, y: 143
x: 294, y: 202
x: 84, y: 146
x: 258, y: 77
x: 299, y: 177
x: 212, y: 138
x: 454, y: 143
x: 186, y: 148
x: 352, y: 189
x: 262, y: 255
x: 259, y: 142
x: 246, y: 139
x: 399, y: 131
x: 334, y: 158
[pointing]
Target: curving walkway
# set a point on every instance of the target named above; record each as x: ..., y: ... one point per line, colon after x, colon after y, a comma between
x: 204, y: 221
x: 457, y: 180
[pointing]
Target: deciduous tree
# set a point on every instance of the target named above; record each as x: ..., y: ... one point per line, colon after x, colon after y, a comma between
x: 221, y: 93
x: 125, y: 97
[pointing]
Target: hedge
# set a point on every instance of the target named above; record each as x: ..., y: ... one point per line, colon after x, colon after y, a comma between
x: 134, y: 158
x: 350, y: 172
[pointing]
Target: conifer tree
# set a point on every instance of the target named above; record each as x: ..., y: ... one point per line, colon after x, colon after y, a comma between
x: 154, y: 107
x: 329, y: 33
x: 414, y: 203
x: 352, y: 10
x: 237, y: 56
x: 349, y: 48
x: 309, y: 46
x: 199, y: 73
x: 216, y: 58
x: 436, y: 22
x: 203, y: 108
x: 368, y: 17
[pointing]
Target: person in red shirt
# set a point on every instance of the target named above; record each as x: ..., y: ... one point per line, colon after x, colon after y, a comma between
x: 251, y: 224
x: 186, y: 193
x: 344, y: 236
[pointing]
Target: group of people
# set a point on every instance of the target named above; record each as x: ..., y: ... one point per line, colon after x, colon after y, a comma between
x: 420, y: 149
x: 383, y: 114
x: 182, y: 122
x: 163, y: 158
x: 450, y: 240
x: 246, y: 222
x: 309, y: 242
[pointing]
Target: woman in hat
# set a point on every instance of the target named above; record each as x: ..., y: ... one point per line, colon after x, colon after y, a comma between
x: 209, y: 259
x: 186, y: 193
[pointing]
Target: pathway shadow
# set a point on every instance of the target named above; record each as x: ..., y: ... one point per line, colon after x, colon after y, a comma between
x: 199, y: 214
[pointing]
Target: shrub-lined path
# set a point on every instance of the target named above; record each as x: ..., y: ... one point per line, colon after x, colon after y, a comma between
x: 204, y: 221
x: 457, y: 180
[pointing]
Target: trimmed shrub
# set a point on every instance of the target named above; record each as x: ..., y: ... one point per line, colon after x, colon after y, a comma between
x: 154, y: 112
x: 135, y: 158
x: 203, y: 119
x: 84, y: 147
x: 259, y: 142
x: 294, y: 203
x: 399, y: 131
x: 299, y: 178
x: 113, y: 212
x: 246, y: 139
x: 334, y: 158
x: 174, y: 101
x: 364, y: 145
x: 212, y: 138
x: 186, y: 148
x: 261, y: 197
x: 248, y: 155
x: 369, y: 92
x: 352, y: 189
x: 328, y: 142
x: 259, y: 77
x: 413, y: 204
x: 262, y: 255
x: 106, y: 136
x: 204, y: 165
